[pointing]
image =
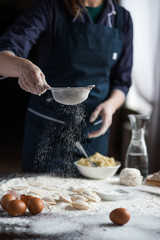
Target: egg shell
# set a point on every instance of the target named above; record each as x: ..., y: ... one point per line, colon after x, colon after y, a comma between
x: 5, y: 199
x: 15, y: 194
x: 120, y: 216
x: 25, y: 198
x: 16, y: 208
x: 35, y: 205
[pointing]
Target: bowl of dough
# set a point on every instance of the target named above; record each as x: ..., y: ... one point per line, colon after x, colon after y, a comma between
x: 106, y: 166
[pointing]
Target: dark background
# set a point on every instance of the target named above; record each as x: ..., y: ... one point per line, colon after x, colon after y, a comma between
x: 13, y: 100
x: 13, y: 104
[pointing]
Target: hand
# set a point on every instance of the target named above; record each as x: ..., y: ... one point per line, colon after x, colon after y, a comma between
x: 105, y: 110
x: 31, y: 78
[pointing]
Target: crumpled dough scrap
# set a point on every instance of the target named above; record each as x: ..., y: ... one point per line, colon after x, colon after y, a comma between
x: 130, y: 177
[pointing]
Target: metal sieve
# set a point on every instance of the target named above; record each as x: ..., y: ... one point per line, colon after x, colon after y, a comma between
x: 71, y: 95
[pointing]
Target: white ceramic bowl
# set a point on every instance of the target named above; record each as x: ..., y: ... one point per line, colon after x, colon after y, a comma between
x: 98, y: 172
x: 113, y: 195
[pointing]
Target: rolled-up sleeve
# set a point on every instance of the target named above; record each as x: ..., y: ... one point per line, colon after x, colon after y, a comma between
x: 24, y: 33
x: 121, y: 72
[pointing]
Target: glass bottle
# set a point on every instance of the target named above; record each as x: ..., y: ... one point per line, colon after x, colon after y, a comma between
x: 137, y: 156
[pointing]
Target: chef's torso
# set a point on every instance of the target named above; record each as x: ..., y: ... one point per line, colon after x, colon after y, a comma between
x: 82, y: 54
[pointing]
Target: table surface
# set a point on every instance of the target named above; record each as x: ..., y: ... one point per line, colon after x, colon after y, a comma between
x: 143, y: 203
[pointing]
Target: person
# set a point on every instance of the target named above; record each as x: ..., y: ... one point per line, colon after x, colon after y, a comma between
x: 80, y: 43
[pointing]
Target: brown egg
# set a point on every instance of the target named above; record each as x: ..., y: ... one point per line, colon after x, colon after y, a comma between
x: 35, y: 205
x: 120, y: 216
x: 25, y: 198
x: 5, y: 199
x: 16, y: 208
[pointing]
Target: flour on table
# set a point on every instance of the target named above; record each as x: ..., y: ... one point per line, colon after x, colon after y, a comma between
x: 141, y: 199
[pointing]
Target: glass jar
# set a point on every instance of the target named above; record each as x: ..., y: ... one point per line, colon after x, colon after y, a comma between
x: 137, y: 155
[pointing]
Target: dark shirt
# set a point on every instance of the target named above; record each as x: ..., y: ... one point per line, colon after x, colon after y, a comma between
x: 95, y: 12
x: 38, y: 24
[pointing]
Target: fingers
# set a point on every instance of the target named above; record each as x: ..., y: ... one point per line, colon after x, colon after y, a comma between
x: 46, y: 86
x: 27, y: 87
x: 32, y: 79
x: 99, y: 132
x: 95, y: 114
x: 41, y: 84
x: 107, y: 120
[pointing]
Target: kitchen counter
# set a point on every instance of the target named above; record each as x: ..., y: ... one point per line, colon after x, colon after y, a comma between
x: 143, y: 203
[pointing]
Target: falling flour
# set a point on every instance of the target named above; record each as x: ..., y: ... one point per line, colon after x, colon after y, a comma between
x: 56, y: 150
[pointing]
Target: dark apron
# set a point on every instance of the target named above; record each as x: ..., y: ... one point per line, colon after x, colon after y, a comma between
x: 83, y: 54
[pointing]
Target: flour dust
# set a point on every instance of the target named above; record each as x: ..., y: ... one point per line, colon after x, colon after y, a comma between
x: 56, y: 150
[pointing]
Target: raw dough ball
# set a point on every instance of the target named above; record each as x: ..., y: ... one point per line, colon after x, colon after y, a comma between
x: 130, y: 177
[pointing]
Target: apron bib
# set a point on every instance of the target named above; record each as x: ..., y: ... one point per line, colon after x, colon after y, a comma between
x: 83, y: 54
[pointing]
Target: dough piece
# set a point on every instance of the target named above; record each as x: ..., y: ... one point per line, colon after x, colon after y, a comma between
x: 55, y: 196
x: 35, y: 184
x: 78, y: 190
x: 72, y: 188
x: 91, y: 196
x: 49, y: 201
x: 78, y: 197
x: 80, y: 205
x: 51, y: 188
x: 20, y: 188
x: 37, y: 192
x: 130, y: 177
x: 64, y: 198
